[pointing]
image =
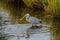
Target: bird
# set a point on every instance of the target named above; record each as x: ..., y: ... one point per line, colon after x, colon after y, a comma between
x: 32, y: 20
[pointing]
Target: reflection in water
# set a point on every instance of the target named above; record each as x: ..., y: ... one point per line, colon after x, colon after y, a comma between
x: 5, y: 18
x: 17, y: 31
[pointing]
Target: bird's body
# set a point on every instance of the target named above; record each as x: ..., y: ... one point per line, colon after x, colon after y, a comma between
x: 33, y: 20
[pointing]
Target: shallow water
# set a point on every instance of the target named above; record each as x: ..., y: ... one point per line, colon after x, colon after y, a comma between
x: 16, y: 32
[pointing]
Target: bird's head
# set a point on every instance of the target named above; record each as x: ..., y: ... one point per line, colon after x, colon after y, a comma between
x: 26, y: 15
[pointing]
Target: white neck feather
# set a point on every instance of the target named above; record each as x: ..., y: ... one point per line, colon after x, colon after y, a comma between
x: 27, y: 18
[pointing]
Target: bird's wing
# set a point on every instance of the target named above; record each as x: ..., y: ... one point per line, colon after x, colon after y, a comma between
x: 33, y: 19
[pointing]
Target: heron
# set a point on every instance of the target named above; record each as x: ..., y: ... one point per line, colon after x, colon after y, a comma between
x: 33, y: 20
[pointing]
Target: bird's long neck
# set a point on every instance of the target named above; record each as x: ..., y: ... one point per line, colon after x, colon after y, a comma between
x: 27, y: 18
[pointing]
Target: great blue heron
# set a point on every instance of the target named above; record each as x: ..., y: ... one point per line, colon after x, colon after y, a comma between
x: 32, y: 20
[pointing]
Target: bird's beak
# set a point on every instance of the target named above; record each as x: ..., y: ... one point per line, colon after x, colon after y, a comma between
x: 22, y: 18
